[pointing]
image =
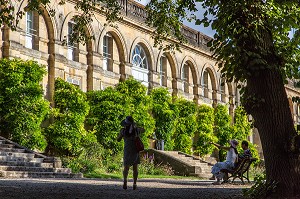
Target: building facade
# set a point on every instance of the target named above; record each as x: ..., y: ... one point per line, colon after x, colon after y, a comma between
x: 118, y: 52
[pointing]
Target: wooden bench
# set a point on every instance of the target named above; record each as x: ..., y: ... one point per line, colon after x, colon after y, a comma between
x: 241, y: 171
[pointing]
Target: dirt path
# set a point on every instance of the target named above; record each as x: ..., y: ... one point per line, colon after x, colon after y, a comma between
x: 112, y: 189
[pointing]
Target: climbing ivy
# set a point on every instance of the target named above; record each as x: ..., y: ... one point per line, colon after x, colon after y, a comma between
x: 22, y: 105
x: 164, y: 115
x: 186, y: 125
x: 205, y: 130
x: 67, y: 135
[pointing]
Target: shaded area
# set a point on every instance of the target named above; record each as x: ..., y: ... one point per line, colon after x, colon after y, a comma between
x: 112, y: 189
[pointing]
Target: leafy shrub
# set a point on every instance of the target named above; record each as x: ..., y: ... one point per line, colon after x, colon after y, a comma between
x: 205, y: 130
x: 261, y: 188
x: 23, y: 107
x: 67, y: 135
x: 164, y: 116
x: 186, y: 125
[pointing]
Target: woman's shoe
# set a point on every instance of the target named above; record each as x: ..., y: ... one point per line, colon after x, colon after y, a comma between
x: 125, y: 185
x: 134, y: 186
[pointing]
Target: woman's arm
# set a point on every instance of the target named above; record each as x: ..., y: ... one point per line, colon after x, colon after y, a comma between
x: 221, y: 147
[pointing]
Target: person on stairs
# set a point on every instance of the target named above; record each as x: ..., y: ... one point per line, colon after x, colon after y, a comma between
x: 231, y: 159
x: 131, y: 156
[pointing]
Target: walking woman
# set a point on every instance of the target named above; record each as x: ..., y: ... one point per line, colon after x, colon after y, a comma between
x: 231, y: 159
x: 131, y: 155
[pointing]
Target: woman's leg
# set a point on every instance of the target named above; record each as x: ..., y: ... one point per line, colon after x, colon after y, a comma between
x: 125, y: 175
x: 135, y: 175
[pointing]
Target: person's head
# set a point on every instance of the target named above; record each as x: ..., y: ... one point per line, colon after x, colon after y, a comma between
x: 233, y: 143
x: 128, y: 121
x: 244, y: 145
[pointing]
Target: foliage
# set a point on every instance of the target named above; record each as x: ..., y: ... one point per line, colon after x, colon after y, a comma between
x: 164, y: 115
x: 108, y: 109
x: 205, y: 130
x: 67, y: 135
x: 23, y: 107
x: 223, y: 129
x: 241, y: 127
x: 260, y: 189
x: 88, y: 161
x: 186, y: 125
x: 140, y: 106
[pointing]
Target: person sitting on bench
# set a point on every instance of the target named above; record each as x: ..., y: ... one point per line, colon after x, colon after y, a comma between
x: 247, y: 153
x: 231, y: 159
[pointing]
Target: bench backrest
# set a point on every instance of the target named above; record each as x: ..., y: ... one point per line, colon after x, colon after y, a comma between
x: 244, y: 165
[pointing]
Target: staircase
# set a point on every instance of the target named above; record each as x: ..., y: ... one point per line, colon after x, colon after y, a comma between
x: 19, y: 162
x: 183, y: 164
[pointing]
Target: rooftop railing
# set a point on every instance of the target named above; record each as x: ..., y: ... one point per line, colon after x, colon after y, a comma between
x: 138, y: 12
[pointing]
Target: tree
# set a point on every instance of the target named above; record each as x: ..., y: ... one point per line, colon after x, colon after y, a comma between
x: 253, y: 47
x: 66, y: 135
x: 164, y: 115
x: 205, y: 130
x: 223, y: 128
x: 23, y: 107
x: 186, y: 125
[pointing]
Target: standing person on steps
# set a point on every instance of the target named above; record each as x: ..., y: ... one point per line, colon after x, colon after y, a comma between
x: 131, y: 155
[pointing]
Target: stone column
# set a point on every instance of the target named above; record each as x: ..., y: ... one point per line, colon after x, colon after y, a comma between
x: 122, y: 72
x: 6, y: 42
x: 174, y: 87
x: 214, y: 98
x: 51, y: 72
x: 90, y: 71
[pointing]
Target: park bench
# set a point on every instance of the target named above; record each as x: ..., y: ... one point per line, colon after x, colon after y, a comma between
x: 241, y: 171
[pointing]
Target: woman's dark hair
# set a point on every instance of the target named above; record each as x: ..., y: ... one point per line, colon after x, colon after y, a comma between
x: 235, y: 150
x: 245, y: 143
x: 127, y: 129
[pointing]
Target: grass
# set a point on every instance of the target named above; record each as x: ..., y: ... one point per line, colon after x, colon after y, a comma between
x: 119, y: 175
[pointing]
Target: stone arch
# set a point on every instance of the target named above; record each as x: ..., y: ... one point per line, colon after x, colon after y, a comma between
x: 173, y: 66
x: 50, y: 24
x: 150, y: 57
x: 119, y: 39
x: 192, y: 66
x: 148, y: 50
x: 214, y: 83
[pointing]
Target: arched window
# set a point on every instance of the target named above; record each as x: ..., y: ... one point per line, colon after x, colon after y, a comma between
x: 140, y: 64
x: 73, y: 52
x: 163, y: 61
x: 185, y: 78
x: 222, y: 91
x: 108, y: 52
x: 31, y: 30
x: 204, y: 84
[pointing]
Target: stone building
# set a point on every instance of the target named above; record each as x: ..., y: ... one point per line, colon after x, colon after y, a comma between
x: 118, y: 52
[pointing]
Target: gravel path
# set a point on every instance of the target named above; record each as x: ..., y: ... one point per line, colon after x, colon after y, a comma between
x: 112, y: 189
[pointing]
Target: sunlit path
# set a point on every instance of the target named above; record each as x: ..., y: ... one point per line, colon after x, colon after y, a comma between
x: 112, y: 189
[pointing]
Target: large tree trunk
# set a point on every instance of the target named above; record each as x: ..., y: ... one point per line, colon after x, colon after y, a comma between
x: 274, y: 121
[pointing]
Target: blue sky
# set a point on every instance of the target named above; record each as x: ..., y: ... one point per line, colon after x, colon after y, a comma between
x: 206, y: 30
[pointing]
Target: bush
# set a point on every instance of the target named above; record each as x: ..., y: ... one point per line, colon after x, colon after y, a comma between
x: 23, y: 107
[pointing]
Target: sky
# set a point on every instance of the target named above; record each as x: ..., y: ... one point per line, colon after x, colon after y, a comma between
x: 206, y: 30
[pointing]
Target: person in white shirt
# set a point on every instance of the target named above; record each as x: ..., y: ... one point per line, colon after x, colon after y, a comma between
x: 231, y: 159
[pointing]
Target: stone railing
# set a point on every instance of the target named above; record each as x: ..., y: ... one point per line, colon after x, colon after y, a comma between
x: 138, y: 12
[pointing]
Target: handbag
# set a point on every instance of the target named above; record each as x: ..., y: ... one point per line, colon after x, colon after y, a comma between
x: 138, y: 143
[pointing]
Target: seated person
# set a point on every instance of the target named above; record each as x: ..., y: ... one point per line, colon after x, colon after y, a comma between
x: 247, y: 153
x: 231, y: 159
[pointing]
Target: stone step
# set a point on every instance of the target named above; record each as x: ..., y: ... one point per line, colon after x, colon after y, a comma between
x: 26, y: 164
x: 7, y: 146
x: 16, y: 154
x: 25, y: 174
x: 2, y: 141
x: 12, y: 150
x: 20, y: 159
x: 34, y: 169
